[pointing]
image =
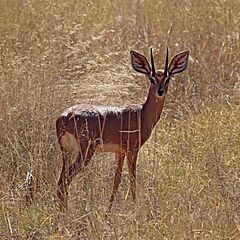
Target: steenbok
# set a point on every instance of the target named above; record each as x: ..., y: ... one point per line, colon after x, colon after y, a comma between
x: 83, y: 130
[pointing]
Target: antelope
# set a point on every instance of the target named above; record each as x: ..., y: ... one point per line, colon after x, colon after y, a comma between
x: 83, y: 130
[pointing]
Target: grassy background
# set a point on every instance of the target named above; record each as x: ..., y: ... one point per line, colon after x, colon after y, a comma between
x: 54, y: 54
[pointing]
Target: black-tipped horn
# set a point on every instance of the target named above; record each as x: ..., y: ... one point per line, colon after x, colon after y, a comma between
x: 152, y: 63
x: 166, y: 64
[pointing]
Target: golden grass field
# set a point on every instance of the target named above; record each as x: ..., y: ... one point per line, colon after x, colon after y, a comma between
x: 54, y: 54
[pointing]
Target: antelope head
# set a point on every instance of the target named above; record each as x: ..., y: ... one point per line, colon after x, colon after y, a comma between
x: 159, y: 79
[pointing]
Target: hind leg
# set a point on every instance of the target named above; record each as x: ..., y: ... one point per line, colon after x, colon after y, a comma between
x: 62, y: 191
x: 81, y: 161
x: 81, y: 155
x: 70, y: 151
x: 69, y: 172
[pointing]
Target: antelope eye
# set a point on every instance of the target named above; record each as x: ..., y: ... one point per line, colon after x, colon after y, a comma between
x: 153, y: 80
x: 167, y: 80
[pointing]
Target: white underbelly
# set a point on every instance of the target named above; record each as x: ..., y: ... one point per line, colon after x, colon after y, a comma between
x: 109, y: 147
x: 70, y: 144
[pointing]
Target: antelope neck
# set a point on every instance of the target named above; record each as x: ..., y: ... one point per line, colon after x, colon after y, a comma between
x: 152, y: 110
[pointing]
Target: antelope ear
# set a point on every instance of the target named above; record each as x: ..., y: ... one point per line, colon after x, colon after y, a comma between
x: 140, y: 63
x: 179, y: 63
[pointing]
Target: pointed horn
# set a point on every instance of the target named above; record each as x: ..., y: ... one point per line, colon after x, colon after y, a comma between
x: 166, y: 64
x: 152, y: 63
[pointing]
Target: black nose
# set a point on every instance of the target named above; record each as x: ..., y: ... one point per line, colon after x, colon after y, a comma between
x: 160, y: 91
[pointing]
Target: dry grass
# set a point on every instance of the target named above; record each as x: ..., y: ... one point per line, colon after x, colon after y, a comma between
x: 54, y: 54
